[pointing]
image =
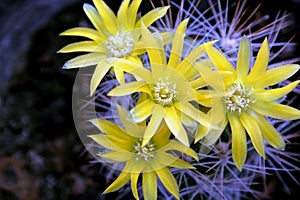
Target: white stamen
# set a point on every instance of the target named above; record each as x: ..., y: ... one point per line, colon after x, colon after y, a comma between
x: 120, y: 45
x: 239, y: 98
x: 145, y: 152
x: 164, y: 92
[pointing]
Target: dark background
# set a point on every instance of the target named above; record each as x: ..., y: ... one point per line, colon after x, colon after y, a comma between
x: 41, y: 155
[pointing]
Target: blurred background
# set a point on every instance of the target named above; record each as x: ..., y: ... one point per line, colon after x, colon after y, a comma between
x: 41, y: 154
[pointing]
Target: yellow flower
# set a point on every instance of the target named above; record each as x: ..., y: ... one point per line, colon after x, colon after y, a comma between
x: 248, y: 99
x: 115, y: 36
x: 169, y: 92
x: 151, y: 161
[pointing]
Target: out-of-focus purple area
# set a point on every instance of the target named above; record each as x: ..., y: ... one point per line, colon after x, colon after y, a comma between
x: 41, y: 155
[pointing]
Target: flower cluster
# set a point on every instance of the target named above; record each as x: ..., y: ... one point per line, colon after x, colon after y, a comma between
x: 186, y: 94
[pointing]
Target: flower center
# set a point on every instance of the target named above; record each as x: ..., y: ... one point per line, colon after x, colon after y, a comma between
x: 145, y: 152
x: 239, y: 98
x: 120, y: 45
x: 164, y: 92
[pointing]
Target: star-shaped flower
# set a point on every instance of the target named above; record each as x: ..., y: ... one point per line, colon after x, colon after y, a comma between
x: 115, y: 36
x: 150, y: 160
x: 169, y: 91
x: 249, y: 99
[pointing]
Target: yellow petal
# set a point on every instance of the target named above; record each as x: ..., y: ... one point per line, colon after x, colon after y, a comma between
x: 254, y: 132
x: 168, y: 181
x: 154, y: 123
x: 269, y: 133
x: 218, y: 59
x: 167, y: 159
x: 119, y: 156
x: 122, y: 15
x: 275, y: 110
x: 175, y: 145
x: 149, y: 186
x: 108, y: 16
x: 154, y: 46
x: 123, y: 178
x: 243, y: 62
x: 104, y: 141
x: 131, y: 67
x: 275, y: 75
x: 95, y: 18
x: 84, y: 60
x: 187, y: 64
x: 129, y: 88
x: 261, y: 61
x: 181, y: 164
x: 134, y: 179
x: 101, y: 69
x: 132, y: 128
x: 152, y: 16
x: 142, y: 110
x: 174, y: 123
x: 84, y: 32
x: 161, y: 138
x: 275, y: 94
x: 132, y: 12
x: 194, y: 113
x: 212, y: 78
x: 85, y: 46
x: 109, y: 128
x: 239, y: 142
x: 177, y: 45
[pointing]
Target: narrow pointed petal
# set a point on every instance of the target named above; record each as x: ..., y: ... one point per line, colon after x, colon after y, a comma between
x: 181, y: 164
x: 276, y: 110
x: 107, y: 15
x: 167, y: 159
x: 154, y: 46
x: 132, y: 12
x: 155, y: 121
x: 119, y: 156
x: 83, y: 32
x: 122, y: 15
x: 177, y: 45
x: 174, y: 123
x: 142, y: 110
x: 129, y: 88
x: 149, y: 186
x: 134, y: 179
x: 175, y: 145
x: 95, y: 18
x: 152, y: 16
x: 218, y: 59
x: 254, y: 132
x: 85, y: 46
x: 161, y: 138
x: 243, y: 62
x: 275, y: 94
x: 84, y: 60
x: 275, y: 75
x: 122, y: 179
x: 239, y: 141
x: 101, y: 69
x: 132, y: 128
x: 261, y: 61
x: 269, y: 133
x: 194, y: 113
x: 187, y: 64
x: 168, y: 181
x: 104, y: 141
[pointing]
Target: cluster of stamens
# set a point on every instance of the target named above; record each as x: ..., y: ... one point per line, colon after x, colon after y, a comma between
x: 239, y: 98
x: 120, y: 45
x: 146, y: 152
x: 164, y: 92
